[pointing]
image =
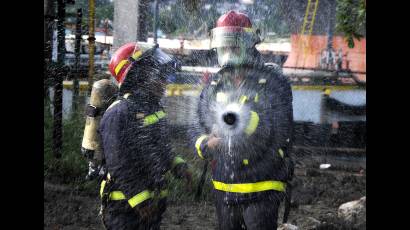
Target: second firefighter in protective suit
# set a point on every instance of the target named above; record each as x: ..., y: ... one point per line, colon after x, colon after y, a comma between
x: 135, y: 141
x: 246, y: 122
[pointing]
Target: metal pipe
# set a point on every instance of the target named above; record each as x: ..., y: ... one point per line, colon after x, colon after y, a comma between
x: 78, y: 33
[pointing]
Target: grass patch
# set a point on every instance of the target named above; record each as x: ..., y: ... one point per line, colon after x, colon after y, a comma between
x: 71, y: 167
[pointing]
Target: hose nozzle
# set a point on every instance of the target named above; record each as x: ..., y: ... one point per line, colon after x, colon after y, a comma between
x: 230, y: 118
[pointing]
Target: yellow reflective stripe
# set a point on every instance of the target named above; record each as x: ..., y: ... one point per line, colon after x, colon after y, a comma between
x: 160, y: 114
x: 153, y: 118
x: 117, y: 195
x: 281, y: 153
x: 253, y: 123
x: 245, y: 161
x: 139, y: 198
x: 178, y: 160
x: 102, y: 187
x: 221, y: 97
x: 243, y: 99
x: 137, y: 54
x: 120, y: 65
x: 256, y: 97
x: 250, y: 187
x: 198, y: 145
x: 150, y: 119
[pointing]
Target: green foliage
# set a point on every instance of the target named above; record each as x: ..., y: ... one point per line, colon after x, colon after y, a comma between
x: 195, y: 18
x: 104, y: 11
x: 351, y: 19
x: 182, y: 18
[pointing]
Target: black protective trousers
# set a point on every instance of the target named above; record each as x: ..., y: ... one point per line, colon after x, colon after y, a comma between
x: 255, y: 215
x: 126, y: 218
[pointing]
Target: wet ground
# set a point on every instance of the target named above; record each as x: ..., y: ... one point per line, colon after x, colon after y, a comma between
x: 316, y: 198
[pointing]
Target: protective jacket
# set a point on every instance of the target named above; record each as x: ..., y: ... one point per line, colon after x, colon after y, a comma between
x: 135, y: 137
x: 254, y: 162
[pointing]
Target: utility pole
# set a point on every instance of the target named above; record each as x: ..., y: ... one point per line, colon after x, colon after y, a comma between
x: 91, y: 43
x: 156, y: 22
x: 142, y: 20
x: 58, y: 78
x: 78, y: 33
x: 330, y: 52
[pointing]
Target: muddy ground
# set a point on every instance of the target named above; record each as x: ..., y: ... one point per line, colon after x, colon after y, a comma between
x: 316, y: 198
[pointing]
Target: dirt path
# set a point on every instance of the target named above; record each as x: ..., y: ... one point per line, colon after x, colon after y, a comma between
x: 317, y: 196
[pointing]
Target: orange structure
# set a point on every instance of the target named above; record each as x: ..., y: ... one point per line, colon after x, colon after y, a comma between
x: 306, y: 52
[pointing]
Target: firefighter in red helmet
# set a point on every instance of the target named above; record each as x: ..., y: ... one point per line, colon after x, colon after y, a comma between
x: 246, y: 123
x: 235, y: 40
x: 135, y: 141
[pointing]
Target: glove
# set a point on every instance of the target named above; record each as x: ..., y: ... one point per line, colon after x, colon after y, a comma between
x: 188, y: 178
x: 95, y: 171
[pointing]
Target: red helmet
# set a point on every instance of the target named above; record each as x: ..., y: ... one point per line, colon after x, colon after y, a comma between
x: 121, y: 60
x: 232, y: 36
x: 233, y: 29
x: 233, y: 18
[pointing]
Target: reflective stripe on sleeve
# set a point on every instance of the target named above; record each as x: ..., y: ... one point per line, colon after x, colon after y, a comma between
x: 243, y: 99
x: 139, y: 198
x: 198, y: 145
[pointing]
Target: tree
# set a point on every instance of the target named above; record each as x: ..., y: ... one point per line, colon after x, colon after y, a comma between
x: 103, y: 9
x: 351, y: 19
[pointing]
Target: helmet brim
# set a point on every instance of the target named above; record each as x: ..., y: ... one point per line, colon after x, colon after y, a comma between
x: 233, y: 37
